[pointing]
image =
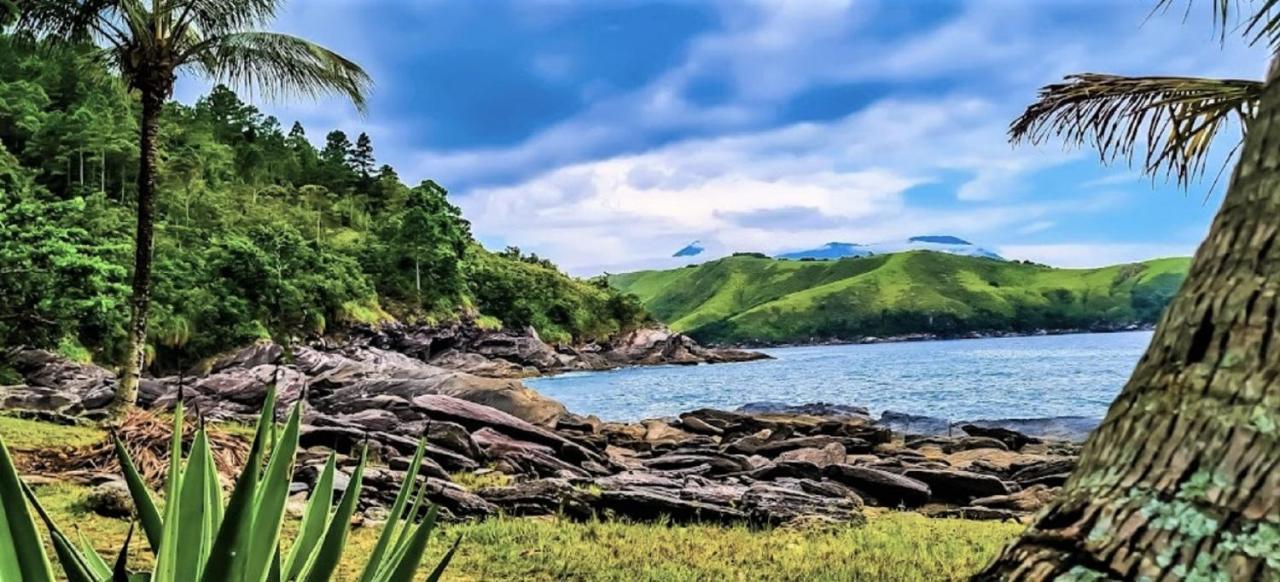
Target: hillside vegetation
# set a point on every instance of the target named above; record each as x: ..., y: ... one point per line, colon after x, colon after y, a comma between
x: 745, y: 299
x: 260, y: 231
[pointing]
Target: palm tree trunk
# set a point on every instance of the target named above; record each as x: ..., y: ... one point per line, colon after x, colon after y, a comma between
x: 127, y: 393
x: 1182, y: 479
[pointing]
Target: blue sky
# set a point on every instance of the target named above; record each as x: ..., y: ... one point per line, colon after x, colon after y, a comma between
x: 606, y: 135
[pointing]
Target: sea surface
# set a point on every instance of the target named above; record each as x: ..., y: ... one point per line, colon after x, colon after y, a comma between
x: 1022, y: 377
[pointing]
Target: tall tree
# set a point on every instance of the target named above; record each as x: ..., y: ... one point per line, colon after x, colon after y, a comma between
x: 150, y: 43
x: 362, y: 157
x: 1182, y: 479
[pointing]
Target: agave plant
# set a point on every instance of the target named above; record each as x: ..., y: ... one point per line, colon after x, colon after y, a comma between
x: 196, y: 538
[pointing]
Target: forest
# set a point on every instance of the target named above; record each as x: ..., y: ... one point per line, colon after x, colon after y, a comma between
x: 260, y: 232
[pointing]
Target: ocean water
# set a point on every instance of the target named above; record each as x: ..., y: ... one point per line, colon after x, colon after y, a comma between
x: 1023, y: 377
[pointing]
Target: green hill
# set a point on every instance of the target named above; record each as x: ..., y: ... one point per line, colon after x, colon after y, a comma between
x: 746, y: 299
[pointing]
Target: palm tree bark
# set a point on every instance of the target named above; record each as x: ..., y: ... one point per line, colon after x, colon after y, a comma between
x: 127, y: 393
x: 1182, y: 479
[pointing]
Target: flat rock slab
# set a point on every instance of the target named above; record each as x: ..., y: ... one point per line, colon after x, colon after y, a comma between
x: 959, y: 486
x: 884, y: 488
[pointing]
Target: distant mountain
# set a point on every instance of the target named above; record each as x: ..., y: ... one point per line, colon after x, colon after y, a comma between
x: 693, y: 249
x: 831, y: 250
x: 937, y: 243
x: 746, y: 299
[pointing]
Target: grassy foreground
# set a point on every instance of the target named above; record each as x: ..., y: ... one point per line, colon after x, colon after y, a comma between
x: 893, y: 546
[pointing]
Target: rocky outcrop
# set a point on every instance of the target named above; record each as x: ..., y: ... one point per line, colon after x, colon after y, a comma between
x: 54, y: 384
x: 780, y: 466
x: 463, y: 346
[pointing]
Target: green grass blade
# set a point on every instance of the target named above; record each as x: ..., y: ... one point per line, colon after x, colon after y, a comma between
x: 166, y: 569
x: 226, y: 561
x: 74, y: 565
x: 144, y: 505
x: 272, y: 495
x: 444, y: 562
x: 327, y: 556
x: 196, y: 528
x: 22, y: 556
x: 100, y: 568
x: 315, y: 520
x: 397, y: 512
x: 405, y: 562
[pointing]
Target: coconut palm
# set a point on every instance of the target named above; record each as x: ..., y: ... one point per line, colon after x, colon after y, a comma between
x: 1181, y: 481
x: 1168, y: 122
x: 151, y: 43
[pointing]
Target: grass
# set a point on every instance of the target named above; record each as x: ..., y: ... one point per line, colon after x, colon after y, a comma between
x: 893, y: 546
x: 21, y: 434
x: 741, y: 299
x: 472, y: 481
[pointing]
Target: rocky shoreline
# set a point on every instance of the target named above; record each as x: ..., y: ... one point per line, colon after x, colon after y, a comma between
x: 764, y: 465
x: 927, y: 337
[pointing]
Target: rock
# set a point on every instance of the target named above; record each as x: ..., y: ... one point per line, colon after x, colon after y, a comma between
x: 1051, y: 472
x: 772, y: 505
x: 884, y: 488
x: 627, y: 479
x: 697, y: 425
x: 1071, y: 428
x: 475, y: 416
x: 541, y: 497
x: 914, y: 423
x: 822, y: 409
x: 523, y: 457
x: 776, y: 447
x: 795, y: 469
x: 657, y: 431
x: 262, y: 353
x: 651, y: 504
x: 589, y: 424
x: 980, y: 513
x: 831, y: 454
x: 1028, y: 500
x: 969, y: 443
x: 110, y: 499
x: 1012, y: 439
x: 52, y: 383
x: 719, y: 463
x: 959, y: 486
x: 356, y: 373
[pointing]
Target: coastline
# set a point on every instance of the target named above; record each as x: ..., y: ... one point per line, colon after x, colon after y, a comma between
x: 928, y: 337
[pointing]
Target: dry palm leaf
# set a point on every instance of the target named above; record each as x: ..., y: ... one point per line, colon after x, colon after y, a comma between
x: 1174, y: 119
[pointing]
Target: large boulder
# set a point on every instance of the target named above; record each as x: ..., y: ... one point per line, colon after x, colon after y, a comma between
x: 55, y: 384
x: 959, y: 486
x: 358, y: 373
x: 880, y: 487
x: 773, y: 505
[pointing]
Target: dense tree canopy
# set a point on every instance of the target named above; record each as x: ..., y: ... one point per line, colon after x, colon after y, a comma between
x: 259, y: 233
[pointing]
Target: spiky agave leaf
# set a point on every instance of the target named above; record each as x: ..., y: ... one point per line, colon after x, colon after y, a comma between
x: 315, y: 520
x: 22, y: 557
x: 1172, y: 121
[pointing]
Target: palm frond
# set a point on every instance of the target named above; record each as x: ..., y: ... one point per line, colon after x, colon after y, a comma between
x: 1173, y: 121
x: 1257, y: 20
x: 215, y: 17
x: 277, y: 65
x: 69, y: 20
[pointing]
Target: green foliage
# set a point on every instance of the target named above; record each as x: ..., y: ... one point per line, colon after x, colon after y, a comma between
x: 196, y: 538
x: 744, y: 299
x: 529, y: 293
x: 258, y: 233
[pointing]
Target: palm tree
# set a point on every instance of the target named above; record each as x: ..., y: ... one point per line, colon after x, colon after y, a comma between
x: 1182, y: 478
x: 150, y: 43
